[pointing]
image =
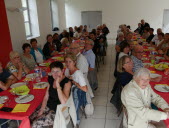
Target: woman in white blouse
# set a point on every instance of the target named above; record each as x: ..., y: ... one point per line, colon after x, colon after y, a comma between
x: 78, y: 81
x: 74, y: 73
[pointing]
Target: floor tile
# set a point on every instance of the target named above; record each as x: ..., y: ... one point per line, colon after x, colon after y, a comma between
x: 92, y: 123
x: 101, y: 91
x: 100, y: 100
x: 108, y: 102
x: 112, y: 113
x: 112, y: 123
x: 99, y: 112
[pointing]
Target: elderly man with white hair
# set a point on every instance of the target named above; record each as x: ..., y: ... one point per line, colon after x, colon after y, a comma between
x: 81, y: 64
x: 137, y: 97
x: 90, y: 56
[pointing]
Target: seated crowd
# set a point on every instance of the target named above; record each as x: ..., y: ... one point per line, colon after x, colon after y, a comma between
x: 132, y: 92
x: 79, y: 77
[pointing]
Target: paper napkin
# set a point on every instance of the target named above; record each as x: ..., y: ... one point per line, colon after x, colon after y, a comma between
x: 153, y: 71
x: 20, y: 108
x: 1, y: 105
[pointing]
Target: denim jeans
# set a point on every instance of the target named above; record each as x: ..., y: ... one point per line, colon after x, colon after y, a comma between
x: 79, y: 98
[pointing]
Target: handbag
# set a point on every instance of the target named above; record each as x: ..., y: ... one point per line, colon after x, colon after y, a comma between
x: 89, y: 108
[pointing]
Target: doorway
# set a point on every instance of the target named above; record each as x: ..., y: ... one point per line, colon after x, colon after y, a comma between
x: 166, y: 21
x: 91, y: 19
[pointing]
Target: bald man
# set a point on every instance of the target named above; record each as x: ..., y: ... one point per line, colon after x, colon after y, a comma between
x: 81, y: 64
x: 137, y: 54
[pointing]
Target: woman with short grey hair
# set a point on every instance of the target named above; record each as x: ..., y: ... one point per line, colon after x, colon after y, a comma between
x: 141, y: 72
x: 137, y: 97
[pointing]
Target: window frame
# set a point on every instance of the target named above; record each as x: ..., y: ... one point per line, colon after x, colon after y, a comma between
x: 29, y: 19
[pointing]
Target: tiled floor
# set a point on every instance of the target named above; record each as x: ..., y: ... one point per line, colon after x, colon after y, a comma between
x: 104, y: 114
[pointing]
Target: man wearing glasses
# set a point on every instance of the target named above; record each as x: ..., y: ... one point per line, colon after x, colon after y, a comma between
x: 137, y: 54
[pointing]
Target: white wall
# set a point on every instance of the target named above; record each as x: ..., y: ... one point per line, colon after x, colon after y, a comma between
x: 16, y: 24
x: 116, y: 12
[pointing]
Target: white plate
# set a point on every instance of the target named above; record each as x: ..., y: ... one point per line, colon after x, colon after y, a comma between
x: 24, y: 98
x: 161, y: 88
x: 164, y: 63
x: 54, y: 58
x: 17, y: 84
x: 3, y: 99
x: 42, y: 64
x: 32, y: 75
x: 153, y: 75
x: 61, y: 53
x: 149, y: 64
x: 159, y: 57
x: 58, y: 58
x: 41, y: 85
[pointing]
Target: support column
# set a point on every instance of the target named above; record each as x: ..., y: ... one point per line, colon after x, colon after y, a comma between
x: 5, y: 39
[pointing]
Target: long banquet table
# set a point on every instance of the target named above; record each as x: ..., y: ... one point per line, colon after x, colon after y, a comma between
x: 165, y: 78
x: 23, y: 116
x: 38, y: 95
x: 38, y: 98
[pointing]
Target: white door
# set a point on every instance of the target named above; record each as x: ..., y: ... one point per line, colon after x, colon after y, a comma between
x: 91, y: 19
x: 166, y: 21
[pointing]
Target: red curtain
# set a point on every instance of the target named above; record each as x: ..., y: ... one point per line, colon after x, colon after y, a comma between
x: 5, y: 39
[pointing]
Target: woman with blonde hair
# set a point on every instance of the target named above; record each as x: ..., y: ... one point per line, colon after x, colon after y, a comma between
x: 74, y: 73
x: 78, y: 81
x: 125, y: 73
x: 16, y: 66
x: 124, y: 67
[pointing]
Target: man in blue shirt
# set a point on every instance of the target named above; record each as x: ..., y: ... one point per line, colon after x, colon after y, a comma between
x: 90, y: 56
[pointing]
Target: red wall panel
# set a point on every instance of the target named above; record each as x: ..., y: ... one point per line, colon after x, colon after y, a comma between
x: 5, y: 40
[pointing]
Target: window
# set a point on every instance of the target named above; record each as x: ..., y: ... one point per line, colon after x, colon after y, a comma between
x: 26, y: 15
x: 54, y: 13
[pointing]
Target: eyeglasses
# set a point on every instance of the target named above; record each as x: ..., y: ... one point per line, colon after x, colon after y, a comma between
x: 128, y: 62
x: 17, y: 57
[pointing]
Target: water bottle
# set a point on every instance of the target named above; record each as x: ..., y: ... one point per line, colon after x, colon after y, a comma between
x: 39, y: 74
x: 43, y: 73
x: 36, y: 69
